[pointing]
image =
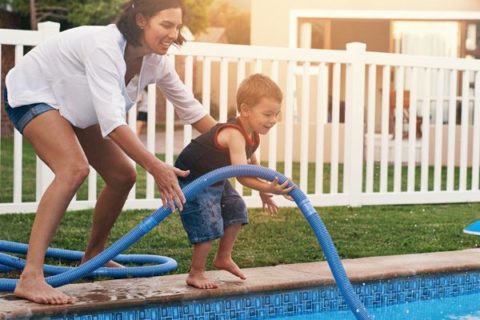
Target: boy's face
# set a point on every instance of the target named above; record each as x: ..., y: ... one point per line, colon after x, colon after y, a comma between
x: 262, y: 116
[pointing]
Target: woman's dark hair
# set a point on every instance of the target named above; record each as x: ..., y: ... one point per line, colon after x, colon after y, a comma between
x: 127, y: 24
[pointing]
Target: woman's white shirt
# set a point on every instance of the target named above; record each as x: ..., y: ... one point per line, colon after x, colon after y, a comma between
x: 81, y: 73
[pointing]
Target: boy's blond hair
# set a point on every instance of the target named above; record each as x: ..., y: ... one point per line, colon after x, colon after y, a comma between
x: 256, y: 87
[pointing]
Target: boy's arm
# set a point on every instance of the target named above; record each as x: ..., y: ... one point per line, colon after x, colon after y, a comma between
x: 253, y: 160
x: 235, y: 142
x: 267, y: 198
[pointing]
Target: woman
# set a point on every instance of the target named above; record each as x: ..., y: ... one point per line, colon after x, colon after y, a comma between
x: 69, y: 97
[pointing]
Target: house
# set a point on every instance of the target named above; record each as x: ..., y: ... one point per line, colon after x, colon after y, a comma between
x: 448, y: 28
x: 324, y: 24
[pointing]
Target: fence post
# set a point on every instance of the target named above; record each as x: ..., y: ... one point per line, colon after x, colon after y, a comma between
x: 44, y: 174
x: 354, y: 126
x: 48, y: 29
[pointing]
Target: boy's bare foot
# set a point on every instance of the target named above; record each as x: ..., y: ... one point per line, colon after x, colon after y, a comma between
x: 37, y: 290
x: 230, y: 266
x: 198, y: 280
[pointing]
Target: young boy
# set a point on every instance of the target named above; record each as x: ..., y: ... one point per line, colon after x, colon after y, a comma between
x: 219, y: 211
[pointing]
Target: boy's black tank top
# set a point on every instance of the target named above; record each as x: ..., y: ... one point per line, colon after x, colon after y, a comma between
x: 203, y: 154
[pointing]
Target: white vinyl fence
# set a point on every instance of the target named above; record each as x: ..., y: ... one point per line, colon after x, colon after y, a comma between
x: 339, y: 139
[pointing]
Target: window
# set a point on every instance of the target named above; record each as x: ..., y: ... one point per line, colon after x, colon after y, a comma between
x: 472, y: 40
x: 314, y: 33
x: 426, y: 38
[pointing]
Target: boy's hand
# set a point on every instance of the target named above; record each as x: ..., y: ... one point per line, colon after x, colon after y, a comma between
x: 268, y: 203
x: 282, y: 189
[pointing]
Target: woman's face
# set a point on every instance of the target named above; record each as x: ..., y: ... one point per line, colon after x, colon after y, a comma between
x: 161, y: 30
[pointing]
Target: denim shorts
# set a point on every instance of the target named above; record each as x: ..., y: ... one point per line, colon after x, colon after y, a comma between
x: 21, y: 116
x: 205, y: 216
x: 142, y: 116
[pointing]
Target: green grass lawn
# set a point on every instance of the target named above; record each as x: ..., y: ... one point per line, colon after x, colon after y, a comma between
x: 268, y: 240
x: 286, y: 237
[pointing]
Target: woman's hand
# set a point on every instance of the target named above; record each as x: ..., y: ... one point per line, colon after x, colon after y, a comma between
x: 167, y: 182
x: 165, y: 175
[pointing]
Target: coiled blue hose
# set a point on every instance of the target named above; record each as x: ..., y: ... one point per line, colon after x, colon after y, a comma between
x: 157, y: 264
x: 334, y: 262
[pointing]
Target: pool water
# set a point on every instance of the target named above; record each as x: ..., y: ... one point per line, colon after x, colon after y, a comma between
x: 427, y: 297
x: 464, y: 307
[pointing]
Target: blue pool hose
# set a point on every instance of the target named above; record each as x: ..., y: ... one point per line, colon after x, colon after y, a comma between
x: 93, y: 267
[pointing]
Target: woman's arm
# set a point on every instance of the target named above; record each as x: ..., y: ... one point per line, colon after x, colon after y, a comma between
x: 165, y: 175
x: 188, y: 109
x: 204, y: 124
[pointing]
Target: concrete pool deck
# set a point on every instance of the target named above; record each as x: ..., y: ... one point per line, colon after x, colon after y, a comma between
x: 109, y: 294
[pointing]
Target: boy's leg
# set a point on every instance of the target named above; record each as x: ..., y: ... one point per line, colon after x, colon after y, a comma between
x: 223, y: 259
x: 234, y: 215
x: 202, y: 220
x: 55, y: 143
x: 196, y: 277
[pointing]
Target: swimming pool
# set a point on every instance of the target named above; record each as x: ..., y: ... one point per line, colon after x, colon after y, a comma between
x: 460, y: 307
x: 430, y: 296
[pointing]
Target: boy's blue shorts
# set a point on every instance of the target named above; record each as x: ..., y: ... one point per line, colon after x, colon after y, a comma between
x: 205, y: 217
x: 21, y: 116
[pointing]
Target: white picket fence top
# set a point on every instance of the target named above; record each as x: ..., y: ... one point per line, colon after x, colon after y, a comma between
x: 319, y: 87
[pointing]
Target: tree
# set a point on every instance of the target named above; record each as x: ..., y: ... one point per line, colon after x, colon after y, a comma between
x: 196, y: 13
x: 33, y: 15
x: 235, y: 21
x: 72, y: 13
x: 94, y: 12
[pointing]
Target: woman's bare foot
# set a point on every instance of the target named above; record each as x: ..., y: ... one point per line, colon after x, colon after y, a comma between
x: 230, y: 266
x: 113, y: 264
x: 198, y: 280
x: 109, y: 264
x: 37, y: 290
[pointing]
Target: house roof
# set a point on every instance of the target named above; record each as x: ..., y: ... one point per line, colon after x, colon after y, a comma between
x: 213, y: 35
x: 187, y: 34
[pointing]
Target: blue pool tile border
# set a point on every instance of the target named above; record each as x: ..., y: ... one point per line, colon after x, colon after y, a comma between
x: 373, y: 294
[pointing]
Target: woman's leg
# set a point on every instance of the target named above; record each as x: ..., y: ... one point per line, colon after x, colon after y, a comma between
x: 55, y: 143
x: 119, y: 174
x: 140, y: 124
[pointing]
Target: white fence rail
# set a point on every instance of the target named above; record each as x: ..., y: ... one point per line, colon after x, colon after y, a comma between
x: 339, y: 139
